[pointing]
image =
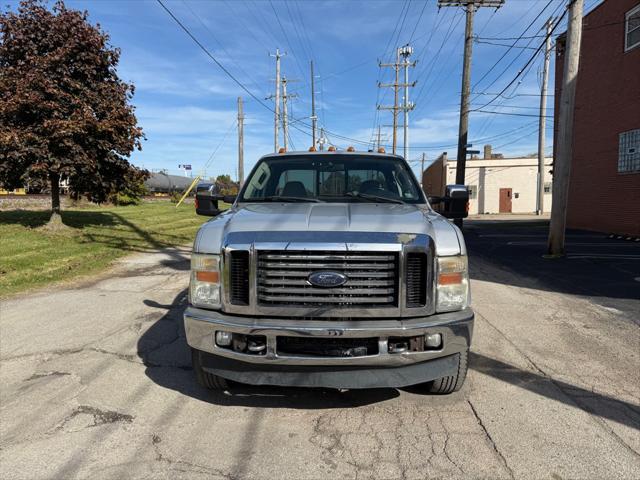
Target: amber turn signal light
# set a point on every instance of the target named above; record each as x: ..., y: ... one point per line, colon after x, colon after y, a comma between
x: 211, y: 277
x: 450, y: 278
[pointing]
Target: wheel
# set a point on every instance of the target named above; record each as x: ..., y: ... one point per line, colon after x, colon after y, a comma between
x: 204, y: 378
x: 452, y: 383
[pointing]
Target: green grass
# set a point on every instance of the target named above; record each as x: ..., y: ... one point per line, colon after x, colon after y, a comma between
x: 30, y: 257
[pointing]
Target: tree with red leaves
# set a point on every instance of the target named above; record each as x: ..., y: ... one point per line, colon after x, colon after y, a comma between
x: 64, y: 113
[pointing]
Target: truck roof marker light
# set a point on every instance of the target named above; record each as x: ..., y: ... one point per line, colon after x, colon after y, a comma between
x: 381, y: 150
x: 282, y: 150
x: 331, y: 149
x: 312, y: 148
x: 351, y: 149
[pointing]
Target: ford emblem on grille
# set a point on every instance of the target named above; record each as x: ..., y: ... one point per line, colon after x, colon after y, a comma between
x: 327, y: 279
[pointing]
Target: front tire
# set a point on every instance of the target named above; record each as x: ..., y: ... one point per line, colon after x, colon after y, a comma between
x: 204, y: 378
x: 452, y: 383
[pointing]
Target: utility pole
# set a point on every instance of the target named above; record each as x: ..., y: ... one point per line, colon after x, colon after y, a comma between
x: 406, y: 52
x: 285, y: 115
x: 542, y: 122
x: 406, y: 106
x: 314, y: 118
x: 564, y: 151
x: 240, y: 142
x: 470, y: 7
x: 276, y: 110
x: 422, y: 167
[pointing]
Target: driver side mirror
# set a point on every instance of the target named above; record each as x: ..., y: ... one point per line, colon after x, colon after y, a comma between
x: 455, y: 203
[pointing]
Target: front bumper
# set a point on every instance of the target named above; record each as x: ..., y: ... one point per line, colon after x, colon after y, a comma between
x: 382, y: 369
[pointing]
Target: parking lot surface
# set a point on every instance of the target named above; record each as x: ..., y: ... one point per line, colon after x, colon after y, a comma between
x: 96, y: 381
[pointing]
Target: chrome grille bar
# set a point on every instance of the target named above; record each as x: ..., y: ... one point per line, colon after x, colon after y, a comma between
x: 372, y: 278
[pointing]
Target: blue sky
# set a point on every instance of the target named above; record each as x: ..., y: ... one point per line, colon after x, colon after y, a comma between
x: 187, y: 105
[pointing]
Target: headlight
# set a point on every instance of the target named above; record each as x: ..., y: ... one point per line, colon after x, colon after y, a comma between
x: 453, y: 284
x: 204, y: 288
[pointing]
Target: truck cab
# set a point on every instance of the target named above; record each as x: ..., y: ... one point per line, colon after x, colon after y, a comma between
x: 331, y: 269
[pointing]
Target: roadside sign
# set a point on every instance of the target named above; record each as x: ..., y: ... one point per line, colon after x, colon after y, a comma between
x: 473, y: 152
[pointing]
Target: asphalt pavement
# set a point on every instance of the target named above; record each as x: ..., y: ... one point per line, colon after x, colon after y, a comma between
x: 96, y: 382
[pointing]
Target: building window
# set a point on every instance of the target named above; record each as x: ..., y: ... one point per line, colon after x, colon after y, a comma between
x: 473, y: 191
x: 629, y: 152
x: 632, y: 29
x: 547, y: 187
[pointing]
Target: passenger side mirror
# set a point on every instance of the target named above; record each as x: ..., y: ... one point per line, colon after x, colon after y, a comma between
x: 207, y: 200
x: 229, y: 198
x: 454, y: 204
x: 207, y: 205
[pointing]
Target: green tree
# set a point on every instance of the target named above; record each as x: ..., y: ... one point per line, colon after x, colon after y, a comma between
x: 64, y: 113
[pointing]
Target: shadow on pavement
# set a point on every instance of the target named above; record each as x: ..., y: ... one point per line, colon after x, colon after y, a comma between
x: 511, y: 252
x: 164, y: 350
x: 597, y: 404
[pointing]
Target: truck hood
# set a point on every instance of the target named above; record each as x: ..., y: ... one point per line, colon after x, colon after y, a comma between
x: 331, y: 217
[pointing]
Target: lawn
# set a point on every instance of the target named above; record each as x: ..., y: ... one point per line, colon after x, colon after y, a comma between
x: 30, y: 257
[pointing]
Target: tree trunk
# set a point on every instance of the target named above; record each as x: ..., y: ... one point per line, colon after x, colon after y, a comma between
x: 56, y: 220
x: 55, y: 193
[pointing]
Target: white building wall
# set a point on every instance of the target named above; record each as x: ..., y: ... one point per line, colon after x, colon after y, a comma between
x: 489, y: 176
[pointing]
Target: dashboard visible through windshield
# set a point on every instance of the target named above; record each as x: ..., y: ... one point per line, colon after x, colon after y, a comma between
x: 332, y: 178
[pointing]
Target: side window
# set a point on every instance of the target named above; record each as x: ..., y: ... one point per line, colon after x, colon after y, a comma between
x: 632, y: 29
x: 406, y: 186
x: 629, y: 152
x: 255, y: 188
x: 305, y: 177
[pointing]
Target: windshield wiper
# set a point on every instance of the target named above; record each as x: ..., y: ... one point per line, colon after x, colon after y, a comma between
x: 377, y: 198
x: 284, y: 198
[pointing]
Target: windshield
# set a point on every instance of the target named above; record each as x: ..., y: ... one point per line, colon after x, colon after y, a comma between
x: 332, y: 178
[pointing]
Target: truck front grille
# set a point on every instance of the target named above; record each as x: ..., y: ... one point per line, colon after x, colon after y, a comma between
x: 239, y: 278
x: 372, y: 278
x: 416, y: 271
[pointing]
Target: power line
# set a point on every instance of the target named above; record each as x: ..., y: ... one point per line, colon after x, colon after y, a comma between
x: 220, y: 44
x: 511, y: 113
x: 513, y: 45
x: 521, y: 71
x: 206, y: 51
x: 424, y: 6
x: 482, y: 42
x: 286, y: 37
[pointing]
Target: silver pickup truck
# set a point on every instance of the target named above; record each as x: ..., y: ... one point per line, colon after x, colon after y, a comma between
x: 331, y: 269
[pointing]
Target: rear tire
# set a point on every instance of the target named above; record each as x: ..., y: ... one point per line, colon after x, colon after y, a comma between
x: 204, y: 378
x: 452, y: 383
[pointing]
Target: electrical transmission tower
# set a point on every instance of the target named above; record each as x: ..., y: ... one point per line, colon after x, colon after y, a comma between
x: 404, y: 52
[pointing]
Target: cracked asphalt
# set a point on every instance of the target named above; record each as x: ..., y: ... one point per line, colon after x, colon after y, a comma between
x: 96, y: 383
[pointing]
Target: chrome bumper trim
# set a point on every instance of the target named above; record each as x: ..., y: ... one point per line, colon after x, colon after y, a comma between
x: 456, y: 329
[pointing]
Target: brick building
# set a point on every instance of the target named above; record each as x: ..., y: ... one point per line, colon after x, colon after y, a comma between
x: 604, y: 191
